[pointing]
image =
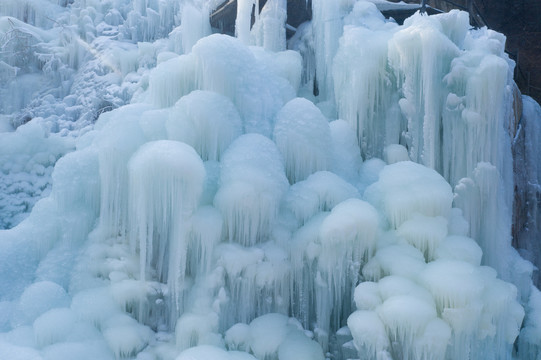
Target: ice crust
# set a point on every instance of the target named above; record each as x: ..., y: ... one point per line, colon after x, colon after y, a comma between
x: 224, y: 198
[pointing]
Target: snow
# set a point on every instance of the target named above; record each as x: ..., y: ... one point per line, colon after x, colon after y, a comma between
x: 176, y: 194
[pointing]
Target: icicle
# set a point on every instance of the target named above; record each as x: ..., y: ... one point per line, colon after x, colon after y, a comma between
x: 425, y: 233
x: 492, y: 230
x: 346, y: 159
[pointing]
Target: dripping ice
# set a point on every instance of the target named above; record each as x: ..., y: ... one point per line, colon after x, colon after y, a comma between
x: 206, y: 203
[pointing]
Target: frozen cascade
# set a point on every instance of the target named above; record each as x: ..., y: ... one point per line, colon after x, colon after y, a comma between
x: 233, y: 204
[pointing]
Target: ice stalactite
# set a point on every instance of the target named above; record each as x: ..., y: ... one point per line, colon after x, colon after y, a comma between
x: 527, y: 217
x: 476, y: 121
x: 149, y: 20
x: 215, y: 64
x: 431, y: 197
x: 482, y: 192
x: 321, y: 191
x: 346, y: 161
x: 32, y: 12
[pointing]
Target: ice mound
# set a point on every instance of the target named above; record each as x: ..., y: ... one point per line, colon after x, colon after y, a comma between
x: 223, y: 65
x: 51, y: 296
x: 302, y: 134
x: 274, y: 336
x: 428, y: 293
x: 402, y: 193
x: 207, y: 121
x: 321, y: 191
x: 253, y: 183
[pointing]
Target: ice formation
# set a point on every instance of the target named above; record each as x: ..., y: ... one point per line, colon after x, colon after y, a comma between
x: 346, y: 194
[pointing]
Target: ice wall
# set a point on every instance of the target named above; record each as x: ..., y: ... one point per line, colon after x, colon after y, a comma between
x: 227, y: 213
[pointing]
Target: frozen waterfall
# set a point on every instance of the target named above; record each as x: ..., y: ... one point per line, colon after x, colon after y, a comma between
x: 344, y: 194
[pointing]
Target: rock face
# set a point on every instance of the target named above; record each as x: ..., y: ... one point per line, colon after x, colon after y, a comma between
x: 520, y: 21
x: 527, y: 178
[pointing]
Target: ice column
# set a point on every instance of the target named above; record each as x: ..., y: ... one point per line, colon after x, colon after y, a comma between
x: 269, y: 31
x: 243, y: 21
x: 166, y: 181
x: 364, y: 85
x: 327, y: 28
x: 422, y: 55
x: 475, y: 116
x: 195, y: 25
